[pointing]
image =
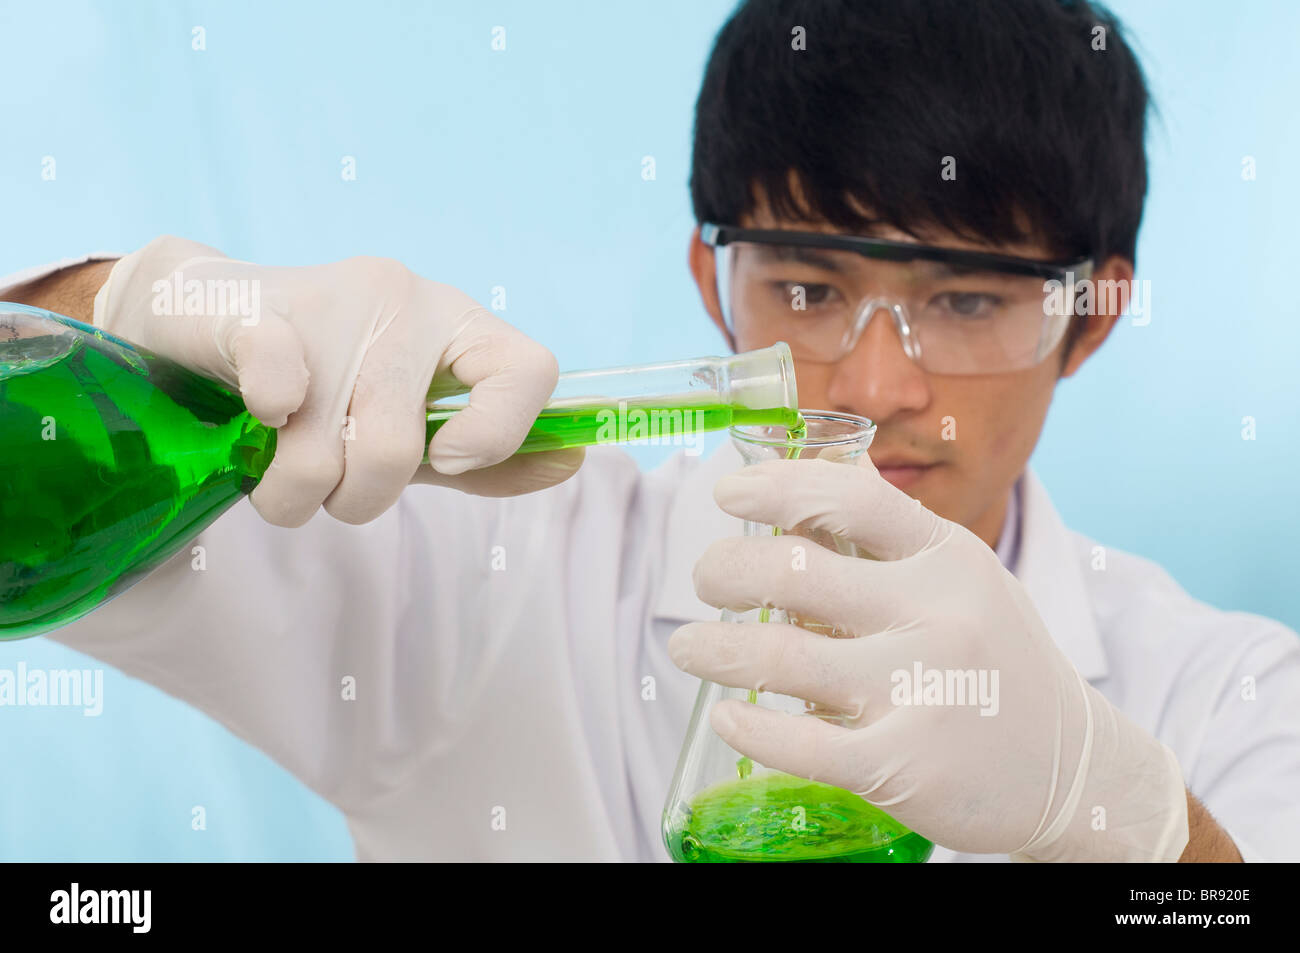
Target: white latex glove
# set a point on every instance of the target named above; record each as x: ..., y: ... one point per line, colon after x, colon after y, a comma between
x: 359, y: 339
x: 1028, y: 780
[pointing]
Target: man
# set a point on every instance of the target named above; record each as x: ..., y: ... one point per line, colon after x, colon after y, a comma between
x: 897, y: 195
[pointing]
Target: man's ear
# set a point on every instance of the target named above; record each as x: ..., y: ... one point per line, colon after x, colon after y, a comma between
x: 1111, y: 284
x: 704, y: 267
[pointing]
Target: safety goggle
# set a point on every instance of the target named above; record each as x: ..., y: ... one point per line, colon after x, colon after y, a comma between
x: 956, y: 311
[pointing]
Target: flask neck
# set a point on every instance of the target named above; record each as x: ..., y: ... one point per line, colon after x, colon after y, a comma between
x: 252, y: 452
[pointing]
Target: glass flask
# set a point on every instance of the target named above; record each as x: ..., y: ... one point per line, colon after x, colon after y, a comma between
x: 112, y: 459
x: 723, y: 807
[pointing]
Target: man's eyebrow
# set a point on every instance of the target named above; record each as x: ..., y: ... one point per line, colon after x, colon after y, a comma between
x: 801, y: 253
x: 948, y: 269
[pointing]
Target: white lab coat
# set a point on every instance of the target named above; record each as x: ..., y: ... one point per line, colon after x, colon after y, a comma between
x: 467, y: 678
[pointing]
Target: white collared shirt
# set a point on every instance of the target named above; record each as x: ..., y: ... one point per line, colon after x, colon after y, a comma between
x: 512, y: 694
x: 1008, y: 548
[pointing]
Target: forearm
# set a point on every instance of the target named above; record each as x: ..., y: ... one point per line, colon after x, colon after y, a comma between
x: 69, y: 291
x: 1207, y: 842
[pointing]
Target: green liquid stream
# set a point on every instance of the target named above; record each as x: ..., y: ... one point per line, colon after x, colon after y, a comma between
x: 796, y: 431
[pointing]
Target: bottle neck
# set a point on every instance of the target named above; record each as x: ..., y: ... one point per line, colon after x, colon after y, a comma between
x: 252, y: 451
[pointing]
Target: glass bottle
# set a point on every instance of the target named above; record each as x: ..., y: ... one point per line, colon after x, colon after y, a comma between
x: 112, y: 458
x: 724, y: 808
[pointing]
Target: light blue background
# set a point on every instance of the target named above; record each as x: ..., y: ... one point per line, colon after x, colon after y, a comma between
x: 522, y: 168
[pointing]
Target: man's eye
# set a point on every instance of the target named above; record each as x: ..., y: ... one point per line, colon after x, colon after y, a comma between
x: 966, y: 304
x: 809, y: 294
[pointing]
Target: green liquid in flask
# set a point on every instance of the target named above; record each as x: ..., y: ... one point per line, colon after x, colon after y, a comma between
x: 778, y: 818
x: 770, y: 817
x: 112, y: 461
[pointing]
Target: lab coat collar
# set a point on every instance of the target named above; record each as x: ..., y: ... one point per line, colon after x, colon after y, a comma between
x: 1050, y: 570
x: 1047, y: 565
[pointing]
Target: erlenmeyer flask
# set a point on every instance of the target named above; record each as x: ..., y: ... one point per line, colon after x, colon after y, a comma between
x: 723, y: 808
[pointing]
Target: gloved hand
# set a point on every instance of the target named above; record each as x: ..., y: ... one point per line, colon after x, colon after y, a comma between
x: 1057, y: 773
x: 310, y: 347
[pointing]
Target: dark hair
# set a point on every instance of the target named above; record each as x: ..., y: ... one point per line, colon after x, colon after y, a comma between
x: 1047, y: 133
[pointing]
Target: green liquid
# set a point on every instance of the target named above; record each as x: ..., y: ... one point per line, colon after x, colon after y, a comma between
x: 560, y: 429
x: 780, y: 818
x: 144, y: 455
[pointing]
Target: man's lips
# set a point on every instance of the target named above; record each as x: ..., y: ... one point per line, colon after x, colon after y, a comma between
x: 900, y: 471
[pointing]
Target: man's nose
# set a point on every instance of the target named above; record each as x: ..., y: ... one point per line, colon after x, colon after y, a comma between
x: 877, y: 379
